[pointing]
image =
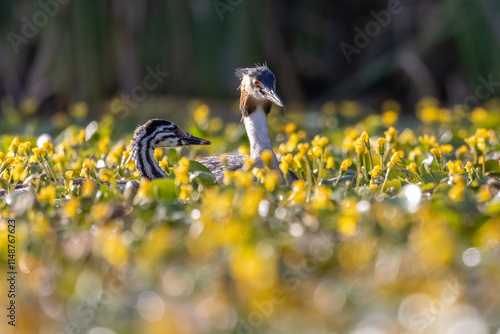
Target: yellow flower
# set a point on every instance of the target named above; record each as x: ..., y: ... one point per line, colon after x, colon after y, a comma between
x: 303, y: 148
x: 348, y: 144
x: 478, y: 115
x: 116, y: 154
x: 347, y: 225
x: 81, y: 136
x: 432, y: 243
x: 79, y: 110
x: 185, y: 191
x: 412, y: 167
x: 389, y: 118
x: 20, y: 159
x: 435, y: 151
x: 158, y: 153
x: 483, y: 195
x: 103, y: 145
x: 330, y: 162
x: 9, y: 161
x: 381, y: 145
x: 72, y: 207
x: 345, y: 165
x: 181, y: 171
x: 258, y: 173
x: 360, y: 149
x: 13, y: 146
x: 319, y: 141
x: 407, y: 137
x: 429, y: 114
x: 471, y: 141
x: 298, y: 195
x: 390, y: 165
x: 69, y: 174
x: 87, y: 188
x: 377, y: 171
x: 201, y: 113
x: 372, y: 185
x: 416, y: 152
x: 288, y: 158
x: 19, y: 173
x: 482, y: 133
x: 427, y: 140
x: 297, y: 160
x: 47, y: 194
x: 59, y: 158
x: 322, y: 198
x: 164, y: 163
x: 243, y: 178
x: 267, y: 156
x: 462, y: 150
x: 445, y: 149
x: 391, y: 135
x: 454, y: 167
x: 106, y: 175
x: 87, y: 166
x: 6, y: 175
x: 271, y: 180
x: 144, y: 188
x: 456, y: 193
x: 284, y: 167
x: 243, y: 150
x: 469, y: 167
x: 48, y: 147
x: 444, y: 115
x: 316, y: 151
x: 290, y: 127
x: 247, y: 162
x: 396, y: 157
x: 228, y: 176
x: 351, y: 133
x: 23, y: 148
x: 292, y: 143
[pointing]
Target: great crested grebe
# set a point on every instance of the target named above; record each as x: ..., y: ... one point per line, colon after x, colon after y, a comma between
x: 258, y: 93
x: 158, y: 133
x: 153, y: 134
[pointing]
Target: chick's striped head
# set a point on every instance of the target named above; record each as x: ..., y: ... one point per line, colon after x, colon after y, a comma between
x: 159, y: 133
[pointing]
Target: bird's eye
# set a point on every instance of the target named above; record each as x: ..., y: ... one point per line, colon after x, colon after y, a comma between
x: 257, y: 84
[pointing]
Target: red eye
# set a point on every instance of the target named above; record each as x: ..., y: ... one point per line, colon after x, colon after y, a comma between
x: 257, y: 84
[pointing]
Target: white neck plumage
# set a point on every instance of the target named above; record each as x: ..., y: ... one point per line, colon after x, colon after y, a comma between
x: 258, y: 134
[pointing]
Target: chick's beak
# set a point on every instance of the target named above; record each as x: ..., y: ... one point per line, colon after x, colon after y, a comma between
x: 188, y: 139
x: 273, y: 97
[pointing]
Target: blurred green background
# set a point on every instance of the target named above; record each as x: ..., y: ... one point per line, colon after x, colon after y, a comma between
x: 63, y: 51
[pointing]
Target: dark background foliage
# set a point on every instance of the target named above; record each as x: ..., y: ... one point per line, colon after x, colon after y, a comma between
x: 94, y: 50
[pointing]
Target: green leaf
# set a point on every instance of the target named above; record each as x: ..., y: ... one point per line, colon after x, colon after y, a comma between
x: 396, y: 184
x: 442, y: 189
x: 195, y: 166
x: 164, y: 189
x: 439, y: 175
x: 4, y: 184
x: 490, y: 166
x: 427, y: 186
x: 202, y: 174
